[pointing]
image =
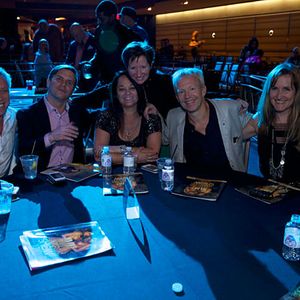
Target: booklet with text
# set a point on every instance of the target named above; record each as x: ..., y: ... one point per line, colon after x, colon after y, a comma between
x: 199, y: 188
x: 75, y: 172
x: 268, y: 192
x: 49, y: 246
x: 114, y: 184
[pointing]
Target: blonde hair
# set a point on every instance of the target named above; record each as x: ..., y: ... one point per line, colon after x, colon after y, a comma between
x: 265, y: 109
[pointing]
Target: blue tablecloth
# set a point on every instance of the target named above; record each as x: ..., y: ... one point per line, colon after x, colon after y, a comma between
x: 228, y: 249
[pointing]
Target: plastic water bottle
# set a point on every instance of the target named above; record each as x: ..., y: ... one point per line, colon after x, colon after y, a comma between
x: 128, y: 161
x: 106, y: 161
x: 291, y: 240
x: 167, y: 176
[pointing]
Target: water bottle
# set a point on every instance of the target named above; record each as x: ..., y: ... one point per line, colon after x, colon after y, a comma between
x: 106, y: 161
x: 167, y: 176
x: 291, y: 240
x: 128, y: 161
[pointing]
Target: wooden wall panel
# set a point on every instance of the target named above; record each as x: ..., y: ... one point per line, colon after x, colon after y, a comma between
x: 232, y: 34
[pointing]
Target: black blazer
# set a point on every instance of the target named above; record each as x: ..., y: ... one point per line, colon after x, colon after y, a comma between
x: 34, y: 123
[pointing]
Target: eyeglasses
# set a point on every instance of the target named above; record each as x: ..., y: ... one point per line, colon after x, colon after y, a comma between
x: 68, y: 82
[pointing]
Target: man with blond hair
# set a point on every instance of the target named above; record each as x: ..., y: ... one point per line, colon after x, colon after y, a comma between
x: 205, y: 133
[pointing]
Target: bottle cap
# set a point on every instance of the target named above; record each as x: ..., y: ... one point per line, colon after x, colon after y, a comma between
x: 168, y: 161
x: 177, y: 287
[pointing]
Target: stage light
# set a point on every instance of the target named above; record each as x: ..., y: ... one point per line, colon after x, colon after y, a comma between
x: 60, y: 19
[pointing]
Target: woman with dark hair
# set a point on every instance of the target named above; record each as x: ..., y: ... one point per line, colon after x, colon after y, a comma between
x: 249, y: 49
x: 277, y: 124
x: 123, y: 123
x: 138, y: 58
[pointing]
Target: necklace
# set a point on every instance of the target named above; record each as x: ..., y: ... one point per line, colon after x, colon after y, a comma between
x: 277, y: 172
x: 128, y: 133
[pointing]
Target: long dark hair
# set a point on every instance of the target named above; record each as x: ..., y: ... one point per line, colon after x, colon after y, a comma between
x: 116, y: 106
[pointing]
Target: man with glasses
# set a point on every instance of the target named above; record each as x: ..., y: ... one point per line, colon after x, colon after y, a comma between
x: 53, y: 127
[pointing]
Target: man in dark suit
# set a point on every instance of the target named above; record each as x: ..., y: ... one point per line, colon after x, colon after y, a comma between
x: 82, y: 48
x: 111, y: 38
x: 53, y: 127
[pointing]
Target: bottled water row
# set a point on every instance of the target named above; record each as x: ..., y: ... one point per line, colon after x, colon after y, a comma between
x: 106, y: 161
x: 129, y: 163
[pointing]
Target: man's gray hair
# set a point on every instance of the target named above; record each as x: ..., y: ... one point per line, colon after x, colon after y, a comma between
x: 195, y: 72
x: 6, y: 77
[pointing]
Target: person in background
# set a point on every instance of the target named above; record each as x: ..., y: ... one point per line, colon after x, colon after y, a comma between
x: 277, y: 124
x: 255, y: 62
x: 205, y: 133
x: 166, y: 51
x: 8, y: 125
x: 111, y: 38
x: 294, y: 57
x: 195, y: 44
x: 42, y: 64
x: 128, y: 18
x: 52, y: 34
x: 82, y: 48
x: 124, y: 124
x: 53, y: 127
x: 4, y: 51
x: 248, y: 49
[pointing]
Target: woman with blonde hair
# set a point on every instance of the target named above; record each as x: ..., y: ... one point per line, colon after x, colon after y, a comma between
x: 277, y: 124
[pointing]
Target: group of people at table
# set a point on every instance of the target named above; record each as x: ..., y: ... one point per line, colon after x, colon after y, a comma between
x: 143, y: 113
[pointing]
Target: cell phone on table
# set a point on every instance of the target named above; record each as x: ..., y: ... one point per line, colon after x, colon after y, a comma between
x: 56, y: 177
x: 150, y: 168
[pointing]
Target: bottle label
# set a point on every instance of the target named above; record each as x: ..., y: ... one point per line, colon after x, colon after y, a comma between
x: 292, y: 237
x: 106, y: 160
x: 167, y: 175
x: 129, y: 161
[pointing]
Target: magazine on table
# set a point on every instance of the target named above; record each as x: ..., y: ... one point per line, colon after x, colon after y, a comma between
x: 74, y: 172
x: 267, y: 191
x: 114, y: 184
x: 49, y: 246
x: 199, y: 188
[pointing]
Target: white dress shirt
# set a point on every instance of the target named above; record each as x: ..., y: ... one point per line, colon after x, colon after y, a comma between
x: 7, y: 143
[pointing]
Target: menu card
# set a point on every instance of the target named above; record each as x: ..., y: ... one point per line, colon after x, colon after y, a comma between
x: 199, y: 188
x: 45, y: 247
x: 114, y: 184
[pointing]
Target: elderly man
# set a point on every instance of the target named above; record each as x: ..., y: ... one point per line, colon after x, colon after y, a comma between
x: 8, y: 124
x: 82, y: 48
x: 204, y: 133
x: 53, y: 127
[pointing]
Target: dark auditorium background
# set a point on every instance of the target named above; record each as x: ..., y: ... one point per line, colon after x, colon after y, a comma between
x: 225, y: 25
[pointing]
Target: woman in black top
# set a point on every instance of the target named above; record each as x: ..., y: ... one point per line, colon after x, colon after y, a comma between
x: 138, y: 58
x: 124, y: 124
x: 277, y: 123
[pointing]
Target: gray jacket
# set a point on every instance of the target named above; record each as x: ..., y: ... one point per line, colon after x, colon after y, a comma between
x: 231, y: 122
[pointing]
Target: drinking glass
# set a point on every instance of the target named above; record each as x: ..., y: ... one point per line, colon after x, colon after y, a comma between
x: 29, y: 164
